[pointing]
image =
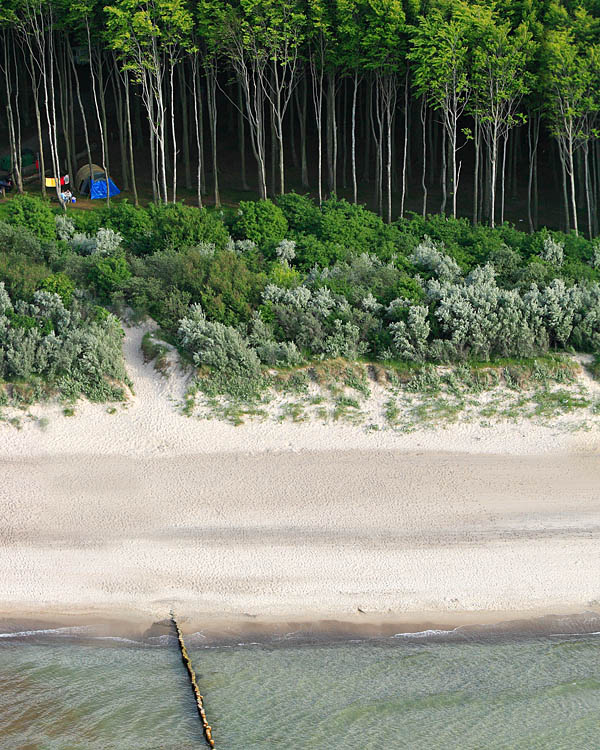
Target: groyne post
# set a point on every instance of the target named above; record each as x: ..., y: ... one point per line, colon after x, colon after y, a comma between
x: 207, y: 729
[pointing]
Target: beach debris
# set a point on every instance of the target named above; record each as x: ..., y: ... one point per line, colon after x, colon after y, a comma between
x: 192, y: 675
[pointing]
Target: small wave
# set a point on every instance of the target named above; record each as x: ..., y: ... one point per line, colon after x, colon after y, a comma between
x: 116, y: 638
x: 166, y: 638
x: 46, y: 631
x: 427, y: 634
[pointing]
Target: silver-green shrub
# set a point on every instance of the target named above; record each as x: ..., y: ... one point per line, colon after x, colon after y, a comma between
x: 82, y: 243
x: 553, y: 251
x: 108, y: 242
x: 216, y: 345
x: 427, y: 256
x: 410, y: 337
x: 286, y: 251
x: 596, y: 255
x: 271, y: 352
x: 70, y: 349
x: 65, y: 229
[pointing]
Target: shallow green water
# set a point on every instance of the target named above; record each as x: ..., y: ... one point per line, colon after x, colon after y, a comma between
x: 393, y: 693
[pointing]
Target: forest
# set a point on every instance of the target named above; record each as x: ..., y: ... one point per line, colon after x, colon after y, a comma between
x: 484, y: 110
x: 376, y: 181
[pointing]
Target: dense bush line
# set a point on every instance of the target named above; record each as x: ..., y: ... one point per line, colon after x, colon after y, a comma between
x: 76, y: 350
x: 275, y: 284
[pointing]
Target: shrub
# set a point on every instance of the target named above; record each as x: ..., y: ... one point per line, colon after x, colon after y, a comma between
x: 410, y: 337
x: 286, y: 251
x: 176, y: 226
x: 300, y: 211
x: 106, y: 274
x: 428, y: 257
x: 133, y: 224
x: 72, y: 351
x: 553, y: 251
x: 271, y: 352
x: 311, y: 251
x: 65, y: 229
x: 61, y: 284
x: 220, y: 347
x: 33, y: 213
x: 108, y: 241
x: 262, y: 222
x: 357, y: 229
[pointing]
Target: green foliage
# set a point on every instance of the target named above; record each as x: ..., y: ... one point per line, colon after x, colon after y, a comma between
x: 61, y: 284
x: 421, y: 290
x: 175, y: 226
x: 262, y: 222
x: 69, y: 349
x: 34, y: 214
x: 133, y: 224
x: 107, y: 274
x: 22, y: 261
x: 300, y: 211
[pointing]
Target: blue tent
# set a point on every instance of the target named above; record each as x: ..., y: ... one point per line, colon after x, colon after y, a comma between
x: 92, y: 181
x: 98, y: 188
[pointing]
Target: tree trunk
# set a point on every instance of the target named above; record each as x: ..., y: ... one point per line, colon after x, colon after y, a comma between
x: 503, y: 178
x: 301, y: 106
x: 571, y: 172
x: 476, y: 173
x: 197, y: 126
x: 353, y: 129
x: 242, y: 140
x: 211, y: 90
x: 185, y: 122
x: 586, y: 166
x: 12, y: 138
x: 317, y: 91
x: 331, y: 134
x: 130, y: 139
x: 405, y: 150
x: 118, y: 97
x: 532, y: 142
x: 444, y: 174
x: 424, y: 154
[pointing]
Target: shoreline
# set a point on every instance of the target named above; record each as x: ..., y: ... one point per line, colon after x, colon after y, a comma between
x: 215, y: 631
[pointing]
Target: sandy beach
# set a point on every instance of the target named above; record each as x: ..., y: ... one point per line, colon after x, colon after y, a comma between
x: 129, y: 514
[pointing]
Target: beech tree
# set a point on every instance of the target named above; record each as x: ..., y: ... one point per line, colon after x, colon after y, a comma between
x: 440, y: 57
x: 500, y: 80
x: 572, y: 78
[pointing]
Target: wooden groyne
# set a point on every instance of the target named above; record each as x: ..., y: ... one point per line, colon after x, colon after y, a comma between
x: 192, y: 675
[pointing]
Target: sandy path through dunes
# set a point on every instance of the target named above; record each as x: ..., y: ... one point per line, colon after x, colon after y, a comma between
x: 150, y: 423
x: 314, y: 533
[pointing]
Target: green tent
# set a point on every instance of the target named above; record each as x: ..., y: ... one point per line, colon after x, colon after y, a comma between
x: 27, y: 158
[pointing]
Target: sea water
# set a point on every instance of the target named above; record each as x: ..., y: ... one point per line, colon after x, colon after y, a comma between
x: 60, y: 690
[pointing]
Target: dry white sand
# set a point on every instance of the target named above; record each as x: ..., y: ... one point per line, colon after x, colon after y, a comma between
x: 145, y: 509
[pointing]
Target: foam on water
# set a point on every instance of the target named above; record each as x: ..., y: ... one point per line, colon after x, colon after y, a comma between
x: 64, y: 631
x: 427, y: 634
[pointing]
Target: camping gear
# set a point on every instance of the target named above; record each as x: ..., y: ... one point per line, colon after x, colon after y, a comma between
x: 5, y: 185
x: 28, y: 158
x: 93, y: 182
x: 51, y: 181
